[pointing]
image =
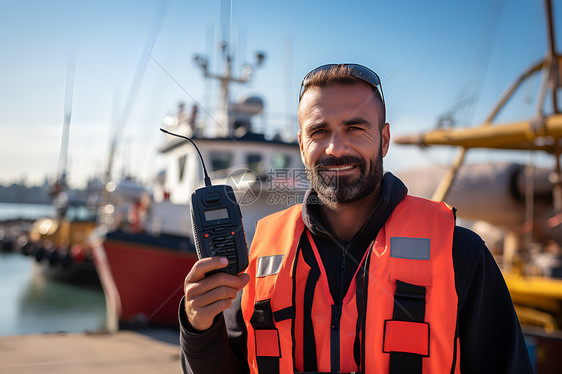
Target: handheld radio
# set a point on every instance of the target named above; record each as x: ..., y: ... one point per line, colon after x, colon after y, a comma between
x: 217, y: 222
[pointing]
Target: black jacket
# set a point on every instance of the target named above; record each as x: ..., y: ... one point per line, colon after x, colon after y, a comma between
x: 491, y: 340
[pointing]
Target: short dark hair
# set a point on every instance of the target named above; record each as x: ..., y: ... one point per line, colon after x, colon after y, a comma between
x: 339, y: 74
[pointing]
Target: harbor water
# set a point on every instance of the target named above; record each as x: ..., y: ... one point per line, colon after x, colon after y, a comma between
x: 33, y: 303
x: 25, y: 211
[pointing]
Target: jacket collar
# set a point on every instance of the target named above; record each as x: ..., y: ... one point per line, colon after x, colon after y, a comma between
x: 393, y: 192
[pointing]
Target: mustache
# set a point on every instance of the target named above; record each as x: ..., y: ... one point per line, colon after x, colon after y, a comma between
x: 330, y: 161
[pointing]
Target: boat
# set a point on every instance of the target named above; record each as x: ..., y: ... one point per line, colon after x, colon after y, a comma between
x: 142, y: 260
x: 517, y: 208
x: 59, y: 244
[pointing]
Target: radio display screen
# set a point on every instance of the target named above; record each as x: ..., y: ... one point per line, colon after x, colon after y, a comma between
x: 211, y: 215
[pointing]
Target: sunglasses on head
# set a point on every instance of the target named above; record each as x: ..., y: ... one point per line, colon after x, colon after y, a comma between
x: 358, y: 71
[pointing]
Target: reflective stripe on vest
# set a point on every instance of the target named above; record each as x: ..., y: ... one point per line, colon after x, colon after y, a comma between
x: 396, y: 256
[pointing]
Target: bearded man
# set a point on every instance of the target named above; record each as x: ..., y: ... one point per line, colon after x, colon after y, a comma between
x: 361, y: 277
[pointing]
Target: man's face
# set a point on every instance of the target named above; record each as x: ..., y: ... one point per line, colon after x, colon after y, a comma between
x: 341, y: 142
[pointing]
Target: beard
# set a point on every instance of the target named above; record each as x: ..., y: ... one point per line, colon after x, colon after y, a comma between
x: 334, y: 189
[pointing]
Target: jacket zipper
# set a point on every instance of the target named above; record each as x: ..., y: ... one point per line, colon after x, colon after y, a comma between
x: 336, y: 316
x: 337, y: 308
x: 335, y: 338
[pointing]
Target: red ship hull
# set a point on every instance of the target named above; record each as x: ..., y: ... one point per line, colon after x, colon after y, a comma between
x: 148, y: 273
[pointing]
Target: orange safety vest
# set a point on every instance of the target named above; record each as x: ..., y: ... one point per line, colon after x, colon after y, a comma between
x: 407, y: 298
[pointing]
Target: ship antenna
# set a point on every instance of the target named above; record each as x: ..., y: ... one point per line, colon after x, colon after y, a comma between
x: 207, y: 179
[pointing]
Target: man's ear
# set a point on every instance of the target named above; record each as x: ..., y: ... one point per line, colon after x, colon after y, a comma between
x: 299, y: 135
x: 385, y: 134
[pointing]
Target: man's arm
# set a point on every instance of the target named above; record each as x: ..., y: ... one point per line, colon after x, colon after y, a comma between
x: 214, y: 350
x: 203, y: 336
x: 491, y: 340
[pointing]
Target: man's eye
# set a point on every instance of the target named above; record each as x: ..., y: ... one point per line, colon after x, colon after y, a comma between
x: 318, y: 132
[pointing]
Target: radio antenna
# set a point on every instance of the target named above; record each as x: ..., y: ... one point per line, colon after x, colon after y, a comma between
x: 207, y: 179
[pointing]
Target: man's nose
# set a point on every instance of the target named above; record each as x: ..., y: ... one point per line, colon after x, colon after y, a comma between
x: 337, y: 145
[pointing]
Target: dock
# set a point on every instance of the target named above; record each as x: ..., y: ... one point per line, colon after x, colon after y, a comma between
x: 86, y: 353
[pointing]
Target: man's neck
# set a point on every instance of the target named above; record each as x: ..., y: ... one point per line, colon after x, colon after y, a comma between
x: 345, y: 220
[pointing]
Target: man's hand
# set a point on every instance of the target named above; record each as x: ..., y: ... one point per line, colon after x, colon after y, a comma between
x: 205, y: 297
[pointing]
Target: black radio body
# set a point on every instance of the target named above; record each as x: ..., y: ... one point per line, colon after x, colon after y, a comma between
x: 217, y: 226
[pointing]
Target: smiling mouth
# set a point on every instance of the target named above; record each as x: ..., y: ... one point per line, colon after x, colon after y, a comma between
x: 338, y: 168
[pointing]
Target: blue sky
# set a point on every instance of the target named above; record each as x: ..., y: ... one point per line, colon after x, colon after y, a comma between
x: 429, y: 54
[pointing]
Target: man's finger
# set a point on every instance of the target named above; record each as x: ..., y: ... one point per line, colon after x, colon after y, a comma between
x: 235, y: 282
x: 202, y: 319
x: 216, y: 294
x: 203, y: 266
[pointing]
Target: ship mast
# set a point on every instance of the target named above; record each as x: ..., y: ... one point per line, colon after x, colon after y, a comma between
x: 118, y: 128
x: 225, y: 126
x: 60, y: 183
x: 542, y: 132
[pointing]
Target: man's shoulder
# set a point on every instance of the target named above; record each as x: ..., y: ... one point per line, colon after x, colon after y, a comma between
x: 277, y: 232
x: 467, y: 245
x: 289, y: 214
x: 429, y: 205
